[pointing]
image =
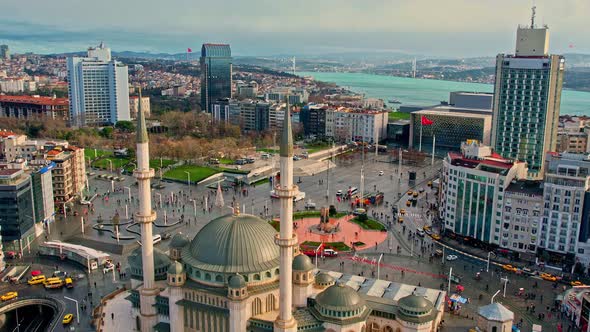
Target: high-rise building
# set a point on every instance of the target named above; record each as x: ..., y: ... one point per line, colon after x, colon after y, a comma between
x: 98, y: 88
x: 564, y: 232
x: 4, y: 52
x: 134, y: 106
x: 527, y: 95
x: 216, y: 74
x: 473, y: 189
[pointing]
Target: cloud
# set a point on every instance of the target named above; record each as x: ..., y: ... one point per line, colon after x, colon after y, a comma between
x: 449, y: 27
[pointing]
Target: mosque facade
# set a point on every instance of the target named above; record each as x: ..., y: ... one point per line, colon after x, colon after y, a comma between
x: 239, y: 274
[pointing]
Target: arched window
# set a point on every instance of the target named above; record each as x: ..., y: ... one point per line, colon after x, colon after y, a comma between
x: 179, y: 279
x: 218, y: 278
x: 276, y: 272
x: 173, y: 279
x: 257, y: 276
x: 207, y: 276
x: 373, y: 327
x: 494, y: 329
x: 388, y: 329
x: 198, y: 274
x: 268, y: 274
x: 256, y: 307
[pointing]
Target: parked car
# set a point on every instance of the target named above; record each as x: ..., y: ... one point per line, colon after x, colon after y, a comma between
x: 420, y: 233
x: 310, y: 205
x: 9, y: 296
x: 452, y: 257
x: 509, y: 268
x: 548, y: 277
x: 381, y: 173
x: 330, y: 253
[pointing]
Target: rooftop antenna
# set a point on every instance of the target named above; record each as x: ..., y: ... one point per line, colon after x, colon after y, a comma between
x: 534, y: 8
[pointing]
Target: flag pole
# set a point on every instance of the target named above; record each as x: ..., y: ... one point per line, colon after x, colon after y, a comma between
x: 433, y: 149
x: 420, y: 145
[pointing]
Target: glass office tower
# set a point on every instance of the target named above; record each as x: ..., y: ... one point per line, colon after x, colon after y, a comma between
x: 216, y: 74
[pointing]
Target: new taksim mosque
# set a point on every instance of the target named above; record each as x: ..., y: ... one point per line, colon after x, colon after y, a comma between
x: 239, y: 274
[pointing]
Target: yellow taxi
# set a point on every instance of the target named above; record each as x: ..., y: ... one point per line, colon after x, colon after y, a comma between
x: 400, y: 220
x: 429, y: 183
x: 426, y: 228
x: 36, y: 280
x: 402, y: 212
x: 68, y: 318
x: 415, y: 195
x: 548, y: 277
x: 9, y: 296
x: 509, y: 268
x: 410, y: 193
x: 408, y: 203
x: 577, y: 283
x: 435, y: 236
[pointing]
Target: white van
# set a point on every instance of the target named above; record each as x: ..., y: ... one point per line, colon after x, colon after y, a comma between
x: 156, y: 239
x: 353, y: 191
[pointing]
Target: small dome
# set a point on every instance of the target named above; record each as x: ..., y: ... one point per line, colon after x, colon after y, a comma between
x: 161, y: 264
x: 175, y: 268
x: 324, y: 279
x: 179, y: 241
x: 236, y: 281
x: 418, y: 303
x: 302, y: 263
x: 233, y: 244
x: 340, y: 298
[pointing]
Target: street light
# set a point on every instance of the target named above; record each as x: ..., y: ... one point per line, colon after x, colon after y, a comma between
x: 505, y: 281
x: 111, y: 164
x: 129, y: 194
x: 77, y: 308
x: 188, y: 181
x: 194, y: 206
x: 488, y: 263
x: 160, y: 196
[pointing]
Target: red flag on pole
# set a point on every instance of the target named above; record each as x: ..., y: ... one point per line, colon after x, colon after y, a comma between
x: 426, y: 121
x: 189, y: 50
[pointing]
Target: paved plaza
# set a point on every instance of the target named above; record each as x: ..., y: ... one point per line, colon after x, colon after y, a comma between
x: 406, y: 256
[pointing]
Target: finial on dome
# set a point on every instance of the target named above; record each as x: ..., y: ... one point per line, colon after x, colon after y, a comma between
x: 236, y: 209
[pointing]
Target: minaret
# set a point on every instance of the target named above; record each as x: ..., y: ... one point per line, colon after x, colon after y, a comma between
x: 144, y: 217
x: 286, y: 239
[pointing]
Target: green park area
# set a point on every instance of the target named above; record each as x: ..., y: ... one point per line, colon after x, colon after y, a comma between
x: 267, y: 150
x: 197, y: 173
x: 317, y: 146
x: 338, y: 246
x: 117, y: 162
x: 368, y: 223
x: 393, y: 116
x: 89, y: 153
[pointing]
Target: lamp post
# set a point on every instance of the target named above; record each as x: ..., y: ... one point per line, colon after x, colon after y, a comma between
x: 160, y: 197
x: 82, y: 224
x: 65, y: 212
x: 194, y: 206
x: 77, y: 308
x: 129, y: 193
x: 111, y: 164
x: 450, y: 276
x: 505, y: 281
x: 188, y: 177
x: 379, y: 265
x: 488, y: 263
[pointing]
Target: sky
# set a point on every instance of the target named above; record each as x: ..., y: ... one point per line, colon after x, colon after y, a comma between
x: 445, y: 28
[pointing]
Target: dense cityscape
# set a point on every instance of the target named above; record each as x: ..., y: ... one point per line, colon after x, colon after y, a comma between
x: 209, y: 192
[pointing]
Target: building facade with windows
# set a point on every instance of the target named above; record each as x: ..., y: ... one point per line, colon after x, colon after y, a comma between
x: 473, y: 186
x: 527, y: 95
x: 521, y: 217
x: 216, y: 74
x: 98, y: 89
x: 567, y: 181
x: 34, y: 107
x: 134, y: 106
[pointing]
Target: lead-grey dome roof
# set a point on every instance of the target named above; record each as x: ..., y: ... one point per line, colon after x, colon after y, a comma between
x: 236, y: 281
x: 175, y: 268
x: 302, y: 263
x: 233, y: 244
x: 179, y: 240
x: 340, y: 298
x: 415, y: 302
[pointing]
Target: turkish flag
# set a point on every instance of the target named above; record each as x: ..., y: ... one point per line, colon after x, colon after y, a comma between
x: 189, y: 50
x: 426, y: 121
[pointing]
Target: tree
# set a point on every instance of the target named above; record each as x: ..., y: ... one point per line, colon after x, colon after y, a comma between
x: 107, y: 132
x: 125, y: 126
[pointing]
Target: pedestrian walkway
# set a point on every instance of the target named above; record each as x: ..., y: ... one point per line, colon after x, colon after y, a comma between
x: 118, y: 313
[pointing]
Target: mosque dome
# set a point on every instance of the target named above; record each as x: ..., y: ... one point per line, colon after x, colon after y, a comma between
x: 175, y: 268
x: 179, y: 240
x: 236, y: 281
x: 415, y: 308
x: 230, y: 244
x: 161, y: 264
x: 341, y: 302
x: 323, y: 279
x: 302, y: 263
